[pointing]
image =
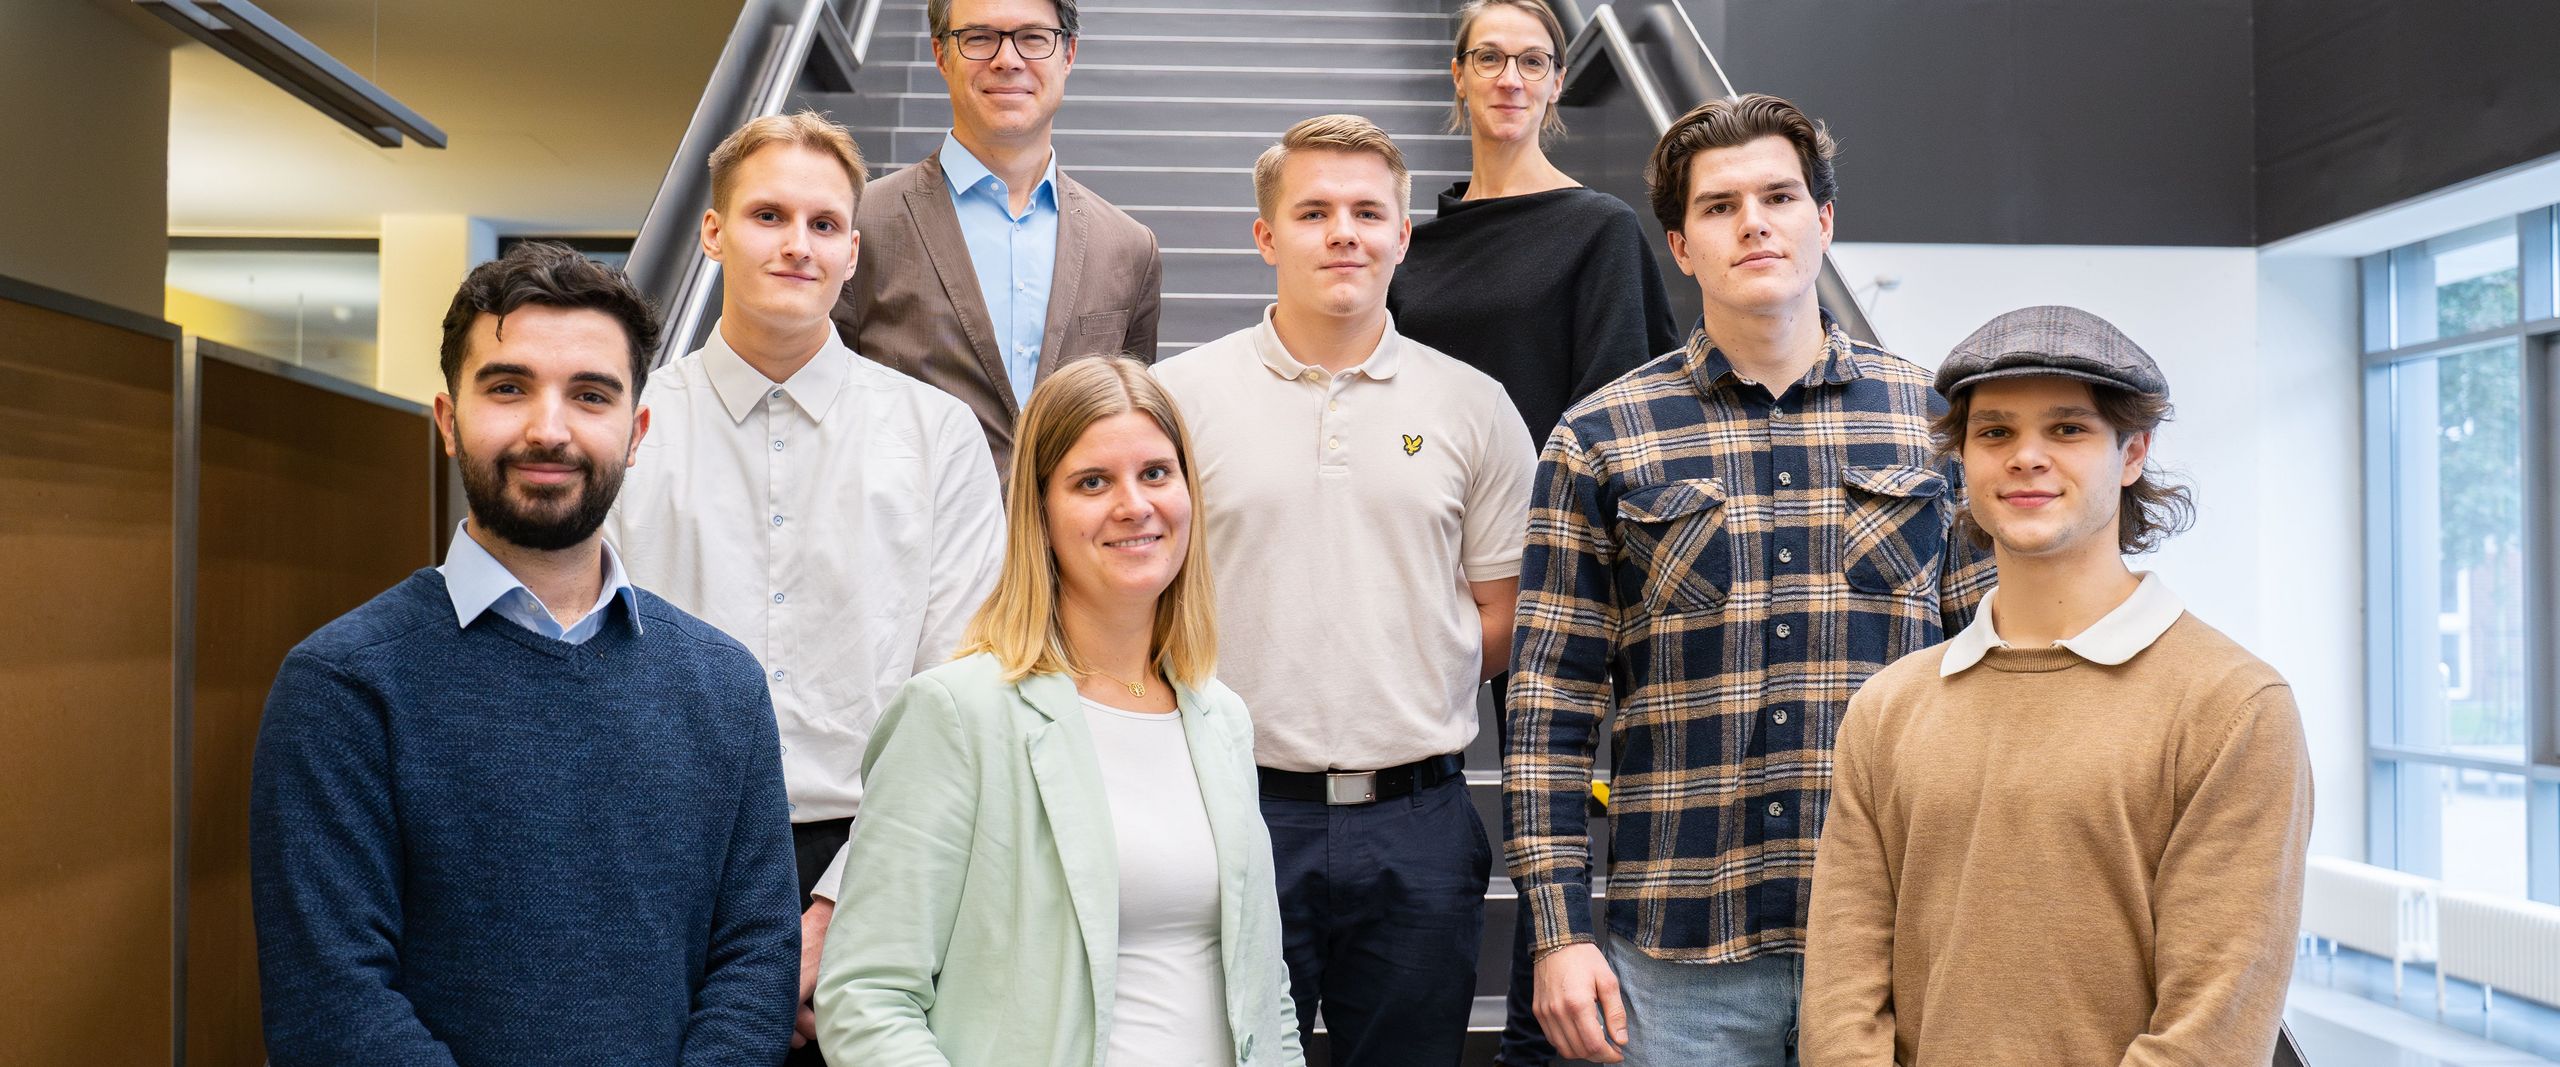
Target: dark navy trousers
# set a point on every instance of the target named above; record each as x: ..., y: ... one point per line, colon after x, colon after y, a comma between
x: 1381, y: 909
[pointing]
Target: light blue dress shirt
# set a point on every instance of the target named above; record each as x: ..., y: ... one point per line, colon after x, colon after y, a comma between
x: 1014, y: 256
x: 479, y: 583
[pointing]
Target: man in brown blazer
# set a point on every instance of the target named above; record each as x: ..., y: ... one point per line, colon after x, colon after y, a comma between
x: 988, y: 214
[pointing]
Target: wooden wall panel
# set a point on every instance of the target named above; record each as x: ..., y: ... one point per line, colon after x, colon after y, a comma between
x: 310, y: 503
x: 88, y: 525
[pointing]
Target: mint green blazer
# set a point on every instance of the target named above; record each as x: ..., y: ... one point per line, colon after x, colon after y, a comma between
x: 978, y: 921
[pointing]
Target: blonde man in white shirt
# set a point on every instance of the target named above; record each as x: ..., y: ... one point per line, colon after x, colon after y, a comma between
x: 1366, y: 503
x: 835, y: 516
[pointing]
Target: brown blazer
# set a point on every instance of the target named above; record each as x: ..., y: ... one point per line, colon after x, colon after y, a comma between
x: 913, y: 302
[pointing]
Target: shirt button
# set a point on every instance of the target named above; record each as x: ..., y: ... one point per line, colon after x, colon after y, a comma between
x: 1314, y: 375
x: 1779, y: 716
x: 777, y: 520
x: 777, y: 446
x: 1785, y: 478
x: 776, y: 394
x: 791, y: 808
x: 779, y: 675
x: 786, y: 750
x: 1783, y: 629
x: 1777, y: 810
x: 1336, y: 442
x: 1335, y: 406
x: 777, y: 598
x: 1786, y: 555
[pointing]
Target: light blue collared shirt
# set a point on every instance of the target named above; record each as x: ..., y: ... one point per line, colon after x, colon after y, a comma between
x: 1014, y: 256
x: 479, y: 583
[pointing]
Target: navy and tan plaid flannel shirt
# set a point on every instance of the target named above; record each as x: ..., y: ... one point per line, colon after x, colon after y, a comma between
x: 1724, y: 569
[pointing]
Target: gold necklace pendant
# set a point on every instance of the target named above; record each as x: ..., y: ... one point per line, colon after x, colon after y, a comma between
x: 1136, y: 689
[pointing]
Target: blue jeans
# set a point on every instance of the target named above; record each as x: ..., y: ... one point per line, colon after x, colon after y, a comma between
x: 1708, y: 1014
x: 1381, y: 908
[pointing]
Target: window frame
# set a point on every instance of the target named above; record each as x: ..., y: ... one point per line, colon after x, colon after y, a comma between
x: 2395, y: 611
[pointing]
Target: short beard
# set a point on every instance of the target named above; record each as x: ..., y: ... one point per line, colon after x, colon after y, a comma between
x: 552, y: 524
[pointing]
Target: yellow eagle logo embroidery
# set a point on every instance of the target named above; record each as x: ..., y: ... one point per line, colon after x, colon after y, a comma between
x: 1412, y: 443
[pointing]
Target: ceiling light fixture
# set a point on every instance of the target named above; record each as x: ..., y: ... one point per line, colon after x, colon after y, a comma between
x: 254, y: 39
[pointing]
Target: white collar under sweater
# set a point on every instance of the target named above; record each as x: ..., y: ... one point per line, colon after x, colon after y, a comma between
x: 2111, y: 640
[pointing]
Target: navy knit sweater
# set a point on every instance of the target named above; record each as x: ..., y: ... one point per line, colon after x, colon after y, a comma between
x: 482, y: 846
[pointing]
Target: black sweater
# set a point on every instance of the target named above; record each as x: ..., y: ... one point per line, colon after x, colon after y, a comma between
x: 1554, y: 294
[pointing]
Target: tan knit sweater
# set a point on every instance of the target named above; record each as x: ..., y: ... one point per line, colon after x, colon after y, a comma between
x: 2045, y: 861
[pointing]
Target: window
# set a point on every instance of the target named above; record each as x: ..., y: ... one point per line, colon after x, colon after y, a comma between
x: 2459, y: 400
x: 309, y: 302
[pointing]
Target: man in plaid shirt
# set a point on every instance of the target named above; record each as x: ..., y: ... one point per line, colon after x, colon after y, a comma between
x: 1723, y: 544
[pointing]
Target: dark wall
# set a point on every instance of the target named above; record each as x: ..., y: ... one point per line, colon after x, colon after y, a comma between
x: 2364, y: 103
x: 2123, y: 122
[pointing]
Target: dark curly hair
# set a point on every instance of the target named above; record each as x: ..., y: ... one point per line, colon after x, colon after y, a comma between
x: 2150, y: 511
x: 550, y: 275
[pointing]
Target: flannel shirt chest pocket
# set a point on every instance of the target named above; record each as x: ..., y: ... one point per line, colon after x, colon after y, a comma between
x: 1673, y: 536
x: 1894, y: 534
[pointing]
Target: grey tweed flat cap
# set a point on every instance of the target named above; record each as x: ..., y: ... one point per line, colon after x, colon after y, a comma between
x: 2051, y: 339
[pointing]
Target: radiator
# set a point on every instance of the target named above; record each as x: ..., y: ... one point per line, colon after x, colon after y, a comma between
x: 2370, y: 909
x: 2500, y: 942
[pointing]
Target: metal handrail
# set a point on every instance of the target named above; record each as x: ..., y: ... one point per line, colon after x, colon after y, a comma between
x: 1684, y: 69
x: 776, y: 47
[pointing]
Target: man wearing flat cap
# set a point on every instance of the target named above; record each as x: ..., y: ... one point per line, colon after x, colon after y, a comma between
x: 2073, y: 833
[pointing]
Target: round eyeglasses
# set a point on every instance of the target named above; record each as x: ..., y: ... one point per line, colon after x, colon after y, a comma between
x: 1487, y: 63
x: 1029, y: 42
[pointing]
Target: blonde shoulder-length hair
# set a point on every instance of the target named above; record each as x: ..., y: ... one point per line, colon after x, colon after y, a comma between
x: 1019, y: 621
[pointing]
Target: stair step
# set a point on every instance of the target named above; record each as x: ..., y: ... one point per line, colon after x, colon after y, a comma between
x: 1197, y: 318
x: 1190, y: 79
x: 1219, y: 270
x: 1430, y: 26
x: 1398, y: 117
x: 1198, y: 148
x: 1386, y: 11
x: 1121, y: 183
x: 1150, y: 44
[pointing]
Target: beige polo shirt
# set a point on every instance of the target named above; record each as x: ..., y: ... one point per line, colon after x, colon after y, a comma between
x: 1345, y: 515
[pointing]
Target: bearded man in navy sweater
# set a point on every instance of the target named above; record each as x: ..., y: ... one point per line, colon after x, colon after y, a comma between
x: 514, y: 810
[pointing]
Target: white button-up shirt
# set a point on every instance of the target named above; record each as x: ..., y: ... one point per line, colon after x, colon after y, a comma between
x: 843, y: 525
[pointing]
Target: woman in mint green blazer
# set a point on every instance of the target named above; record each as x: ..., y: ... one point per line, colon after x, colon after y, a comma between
x: 1061, y: 859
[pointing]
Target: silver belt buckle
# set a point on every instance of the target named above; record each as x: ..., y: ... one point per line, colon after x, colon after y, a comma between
x: 1350, y: 787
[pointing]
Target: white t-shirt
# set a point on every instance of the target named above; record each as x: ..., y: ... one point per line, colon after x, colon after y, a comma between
x: 1171, y: 1008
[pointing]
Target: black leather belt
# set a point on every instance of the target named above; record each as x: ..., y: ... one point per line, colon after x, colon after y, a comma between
x: 1361, y: 787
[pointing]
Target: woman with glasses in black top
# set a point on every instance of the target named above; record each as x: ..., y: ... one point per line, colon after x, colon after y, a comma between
x: 1549, y: 287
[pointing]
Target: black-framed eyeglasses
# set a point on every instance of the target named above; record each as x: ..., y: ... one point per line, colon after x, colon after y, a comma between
x: 1029, y: 42
x: 1487, y: 63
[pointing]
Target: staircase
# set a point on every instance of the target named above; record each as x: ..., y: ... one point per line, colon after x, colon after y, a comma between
x: 1169, y: 106
x: 1166, y: 111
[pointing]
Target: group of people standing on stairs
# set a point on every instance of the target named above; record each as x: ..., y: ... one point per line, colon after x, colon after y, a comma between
x: 1112, y: 714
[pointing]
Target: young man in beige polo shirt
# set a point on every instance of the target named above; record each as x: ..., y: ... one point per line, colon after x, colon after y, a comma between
x: 1366, y: 499
x: 2073, y: 833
